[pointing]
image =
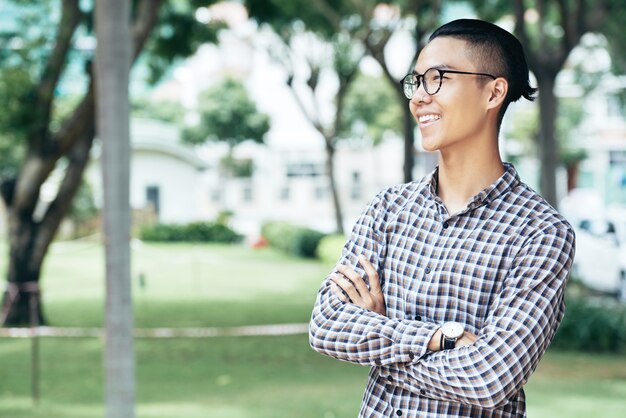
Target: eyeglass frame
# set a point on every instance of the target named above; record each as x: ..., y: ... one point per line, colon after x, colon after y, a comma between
x: 420, y: 79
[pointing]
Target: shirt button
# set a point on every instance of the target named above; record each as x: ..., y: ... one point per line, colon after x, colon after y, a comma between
x: 427, y: 270
x: 445, y: 225
x: 399, y: 413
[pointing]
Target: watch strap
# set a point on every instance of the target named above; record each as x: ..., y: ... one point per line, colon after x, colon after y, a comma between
x: 448, y: 343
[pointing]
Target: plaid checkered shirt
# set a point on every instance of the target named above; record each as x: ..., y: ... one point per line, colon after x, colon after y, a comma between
x: 499, y: 267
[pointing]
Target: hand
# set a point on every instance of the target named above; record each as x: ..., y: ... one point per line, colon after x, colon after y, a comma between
x: 466, y: 339
x: 356, y: 289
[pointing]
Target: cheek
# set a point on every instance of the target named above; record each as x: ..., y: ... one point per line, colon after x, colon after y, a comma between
x: 412, y: 107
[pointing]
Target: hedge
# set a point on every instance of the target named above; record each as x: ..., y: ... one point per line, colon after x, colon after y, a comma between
x: 192, y: 232
x: 330, y: 247
x: 592, y: 325
x: 292, y: 239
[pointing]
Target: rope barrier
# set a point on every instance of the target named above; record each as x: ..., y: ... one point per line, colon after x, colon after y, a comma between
x: 206, y: 332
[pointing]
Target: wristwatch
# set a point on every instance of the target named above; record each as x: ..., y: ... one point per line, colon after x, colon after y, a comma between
x: 450, y: 332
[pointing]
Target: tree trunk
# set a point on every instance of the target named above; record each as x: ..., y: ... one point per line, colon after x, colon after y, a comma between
x: 409, y: 144
x: 30, y: 236
x: 548, y: 148
x: 330, y: 170
x: 113, y: 61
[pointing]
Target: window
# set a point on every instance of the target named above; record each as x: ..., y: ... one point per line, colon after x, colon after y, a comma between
x: 248, y: 194
x: 152, y: 198
x: 321, y: 192
x: 305, y: 169
x: 216, y: 195
x: 285, y: 193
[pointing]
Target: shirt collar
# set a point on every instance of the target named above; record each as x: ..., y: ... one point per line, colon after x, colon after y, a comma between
x: 506, y: 182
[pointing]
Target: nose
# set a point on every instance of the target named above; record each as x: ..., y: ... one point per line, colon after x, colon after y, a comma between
x: 420, y: 95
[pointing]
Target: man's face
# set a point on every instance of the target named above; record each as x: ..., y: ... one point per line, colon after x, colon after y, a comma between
x: 456, y: 114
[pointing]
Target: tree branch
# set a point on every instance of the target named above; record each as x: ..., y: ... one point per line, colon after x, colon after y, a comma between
x: 78, y: 158
x: 596, y: 17
x: 329, y: 13
x: 570, y: 24
x: 147, y: 15
x: 522, y: 34
x: 70, y: 17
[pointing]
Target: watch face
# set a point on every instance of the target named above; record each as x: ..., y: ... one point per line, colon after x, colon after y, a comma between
x: 452, y: 330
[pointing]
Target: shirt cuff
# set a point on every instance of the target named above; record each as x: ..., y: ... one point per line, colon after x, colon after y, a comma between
x: 411, y: 340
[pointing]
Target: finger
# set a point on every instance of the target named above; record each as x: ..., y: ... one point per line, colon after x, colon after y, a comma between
x: 347, y: 286
x: 355, y: 278
x: 338, y: 292
x: 372, y: 274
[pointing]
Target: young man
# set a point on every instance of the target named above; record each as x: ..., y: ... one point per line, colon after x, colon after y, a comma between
x: 451, y: 288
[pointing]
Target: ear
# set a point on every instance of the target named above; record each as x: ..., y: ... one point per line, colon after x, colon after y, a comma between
x: 497, y: 93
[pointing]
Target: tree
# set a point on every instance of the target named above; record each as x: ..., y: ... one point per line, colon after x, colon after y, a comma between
x: 549, y: 30
x: 379, y: 22
x: 39, y: 52
x: 337, y: 57
x: 112, y: 78
x: 371, y: 23
x: 227, y: 114
x: 233, y: 121
x: 371, y: 110
x: 305, y: 40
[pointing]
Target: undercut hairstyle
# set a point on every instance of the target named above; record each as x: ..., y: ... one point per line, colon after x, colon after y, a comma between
x: 494, y: 51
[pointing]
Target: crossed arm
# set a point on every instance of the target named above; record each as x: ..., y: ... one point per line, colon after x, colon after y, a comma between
x: 350, y: 287
x: 484, y: 369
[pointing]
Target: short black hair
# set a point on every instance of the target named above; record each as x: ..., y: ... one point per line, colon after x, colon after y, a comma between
x: 496, y: 51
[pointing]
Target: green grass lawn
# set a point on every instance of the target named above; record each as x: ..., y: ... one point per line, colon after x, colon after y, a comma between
x: 234, y: 377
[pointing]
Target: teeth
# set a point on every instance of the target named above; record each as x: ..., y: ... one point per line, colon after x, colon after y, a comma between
x: 426, y: 118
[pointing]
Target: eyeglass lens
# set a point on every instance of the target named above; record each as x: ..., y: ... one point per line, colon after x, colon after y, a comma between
x: 431, y: 79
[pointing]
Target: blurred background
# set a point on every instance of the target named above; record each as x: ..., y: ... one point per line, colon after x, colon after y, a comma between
x: 259, y: 130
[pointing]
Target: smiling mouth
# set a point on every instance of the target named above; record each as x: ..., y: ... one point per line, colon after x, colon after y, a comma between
x: 426, y: 119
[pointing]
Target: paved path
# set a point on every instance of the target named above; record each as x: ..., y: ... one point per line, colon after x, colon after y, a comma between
x: 254, y: 330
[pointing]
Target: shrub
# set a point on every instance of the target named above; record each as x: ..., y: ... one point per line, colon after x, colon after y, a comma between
x: 293, y: 239
x: 193, y: 232
x: 589, y: 325
x: 329, y: 248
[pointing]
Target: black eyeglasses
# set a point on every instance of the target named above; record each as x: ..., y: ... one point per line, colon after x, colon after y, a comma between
x: 431, y: 79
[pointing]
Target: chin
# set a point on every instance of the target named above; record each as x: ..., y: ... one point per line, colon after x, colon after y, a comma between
x: 430, y: 146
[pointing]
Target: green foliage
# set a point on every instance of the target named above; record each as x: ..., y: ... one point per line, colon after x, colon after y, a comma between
x: 589, y: 325
x: 178, y: 35
x: 371, y: 109
x: 243, y: 167
x: 192, y: 232
x: 283, y: 14
x: 329, y: 248
x: 165, y: 110
x: 16, y: 92
x: 83, y: 210
x: 227, y: 113
x: 292, y: 239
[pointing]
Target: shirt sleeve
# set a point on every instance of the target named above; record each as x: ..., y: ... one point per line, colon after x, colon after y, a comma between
x: 523, y: 320
x: 350, y: 333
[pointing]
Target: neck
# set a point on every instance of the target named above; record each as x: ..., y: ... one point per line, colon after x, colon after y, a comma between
x: 463, y: 173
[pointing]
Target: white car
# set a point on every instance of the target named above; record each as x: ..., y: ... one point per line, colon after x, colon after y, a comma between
x: 600, y: 261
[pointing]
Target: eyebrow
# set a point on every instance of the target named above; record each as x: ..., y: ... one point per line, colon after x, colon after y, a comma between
x: 436, y: 67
